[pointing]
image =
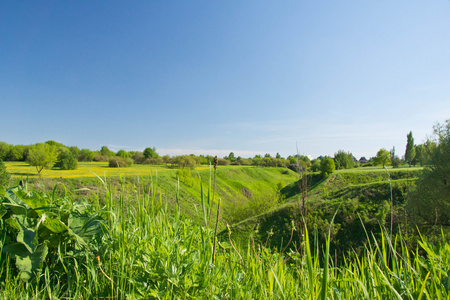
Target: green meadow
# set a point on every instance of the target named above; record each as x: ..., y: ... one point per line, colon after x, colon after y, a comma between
x: 237, y: 232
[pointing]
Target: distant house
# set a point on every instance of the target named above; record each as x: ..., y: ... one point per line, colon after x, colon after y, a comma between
x: 363, y: 160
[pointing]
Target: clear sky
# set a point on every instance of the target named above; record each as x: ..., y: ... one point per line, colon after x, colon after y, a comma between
x: 210, y: 77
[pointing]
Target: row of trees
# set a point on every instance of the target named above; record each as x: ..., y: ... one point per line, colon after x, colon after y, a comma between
x: 53, y: 154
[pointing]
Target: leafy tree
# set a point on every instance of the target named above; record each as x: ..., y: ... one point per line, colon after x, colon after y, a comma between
x: 327, y: 166
x: 104, y: 151
x: 18, y: 153
x: 66, y: 160
x: 267, y: 155
x: 278, y: 155
x: 4, y: 150
x: 4, y: 175
x: 395, y: 160
x: 55, y: 144
x: 184, y: 161
x: 122, y: 153
x: 166, y: 159
x: 429, y: 201
x: 86, y: 155
x: 231, y: 157
x: 256, y: 161
x: 74, y: 150
x: 150, y: 153
x: 343, y: 160
x: 424, y: 152
x: 315, y: 166
x: 383, y: 157
x: 42, y: 156
x: 410, y: 150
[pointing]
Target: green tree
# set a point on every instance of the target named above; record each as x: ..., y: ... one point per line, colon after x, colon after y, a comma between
x: 150, y: 153
x: 184, y: 161
x: 4, y: 175
x: 410, y: 149
x: 122, y: 153
x: 231, y: 157
x: 429, y: 201
x: 4, y: 150
x: 327, y: 166
x: 74, y: 150
x: 86, y: 155
x: 18, y: 153
x: 104, y: 151
x: 315, y: 165
x: 42, y: 156
x: 395, y: 161
x: 383, y: 158
x: 343, y: 160
x: 66, y: 160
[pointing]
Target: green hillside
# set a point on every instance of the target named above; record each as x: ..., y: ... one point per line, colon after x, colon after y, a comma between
x: 358, y: 196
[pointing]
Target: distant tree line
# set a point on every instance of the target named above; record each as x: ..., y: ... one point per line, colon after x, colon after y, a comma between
x: 53, y: 154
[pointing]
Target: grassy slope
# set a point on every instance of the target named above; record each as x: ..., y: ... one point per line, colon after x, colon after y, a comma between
x: 234, y: 184
x: 358, y: 195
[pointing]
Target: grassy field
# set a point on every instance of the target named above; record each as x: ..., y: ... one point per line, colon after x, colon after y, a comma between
x: 89, y: 169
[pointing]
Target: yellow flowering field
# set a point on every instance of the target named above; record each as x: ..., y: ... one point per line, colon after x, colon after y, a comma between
x: 86, y: 169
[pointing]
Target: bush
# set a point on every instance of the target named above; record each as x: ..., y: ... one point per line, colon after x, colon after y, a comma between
x: 4, y: 175
x: 138, y: 157
x: 185, y: 176
x: 120, y: 162
x: 184, y: 161
x: 223, y: 162
x: 99, y: 157
x: 327, y: 166
x: 66, y: 161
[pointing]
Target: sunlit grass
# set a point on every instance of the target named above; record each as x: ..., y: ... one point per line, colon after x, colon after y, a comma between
x: 86, y: 169
x: 89, y: 169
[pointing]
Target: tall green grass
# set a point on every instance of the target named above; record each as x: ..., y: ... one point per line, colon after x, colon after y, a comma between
x: 146, y: 252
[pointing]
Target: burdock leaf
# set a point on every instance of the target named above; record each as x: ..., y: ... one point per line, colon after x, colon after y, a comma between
x: 27, y: 237
x: 29, y: 264
x: 53, y: 223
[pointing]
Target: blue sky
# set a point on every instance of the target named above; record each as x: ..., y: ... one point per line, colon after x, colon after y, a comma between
x: 210, y: 77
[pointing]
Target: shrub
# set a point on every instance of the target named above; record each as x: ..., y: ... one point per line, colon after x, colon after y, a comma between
x: 223, y: 162
x: 66, y: 161
x: 120, y: 162
x: 327, y: 166
x: 185, y: 176
x: 138, y: 157
x: 4, y: 175
x: 99, y: 157
x: 184, y: 161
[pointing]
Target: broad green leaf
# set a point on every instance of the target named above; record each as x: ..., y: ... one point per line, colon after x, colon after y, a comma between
x: 3, y: 211
x: 52, y: 222
x: 33, y: 200
x: 85, y: 226
x: 27, y: 263
x: 28, y: 237
x: 16, y: 209
x: 13, y: 223
x: 12, y: 197
x: 80, y: 241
